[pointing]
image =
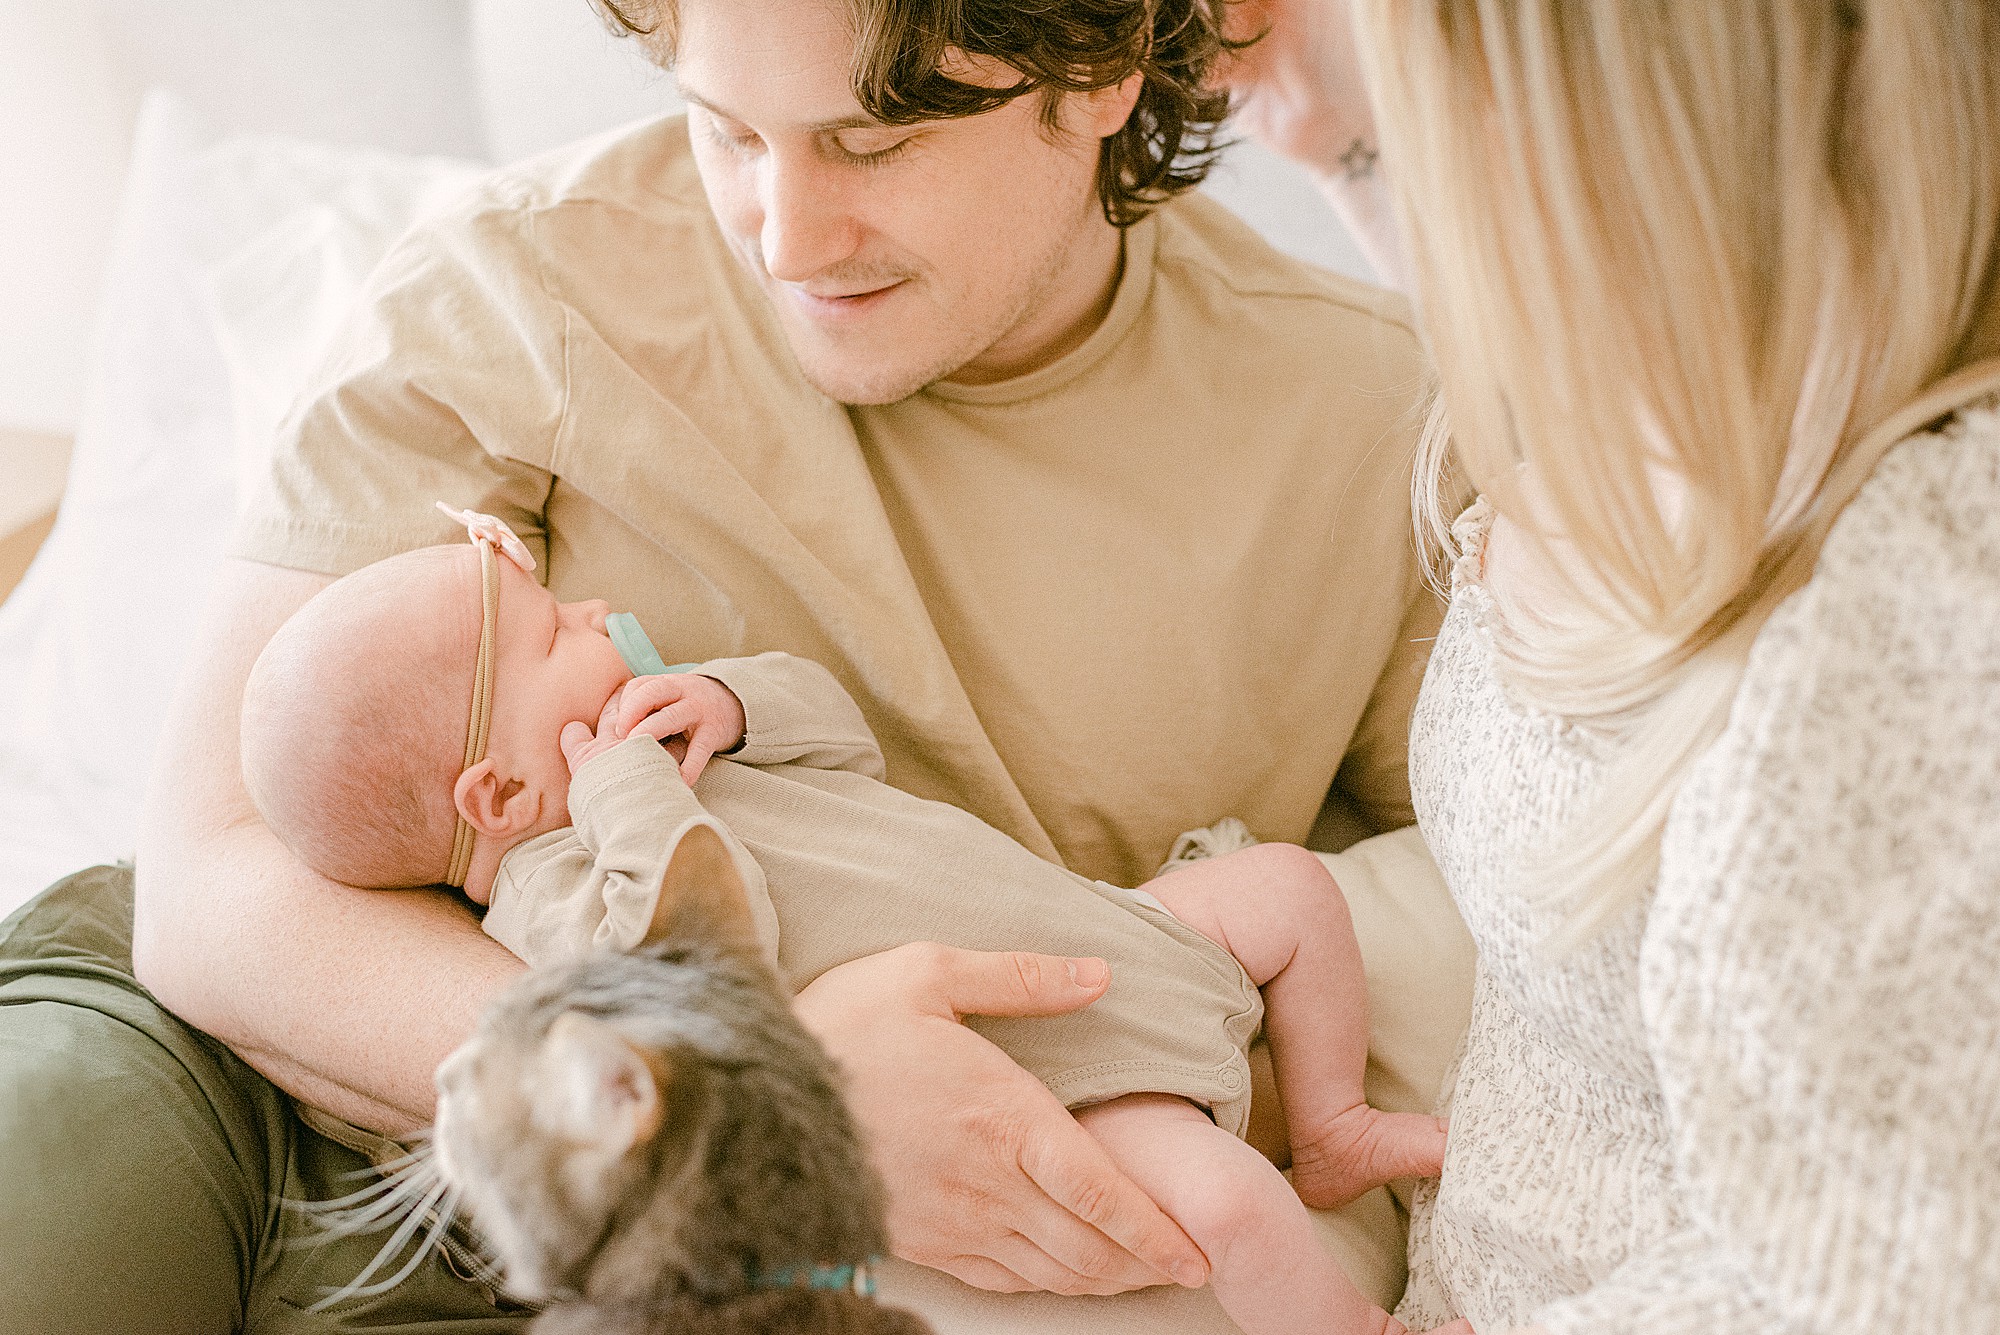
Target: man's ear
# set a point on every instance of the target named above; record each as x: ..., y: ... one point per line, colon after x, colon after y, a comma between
x: 494, y: 804
x: 1102, y: 112
x: 598, y: 1090
x: 706, y: 892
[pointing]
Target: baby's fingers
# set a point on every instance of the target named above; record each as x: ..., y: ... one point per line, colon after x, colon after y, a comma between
x: 701, y: 745
x: 575, y: 737
x: 676, y: 718
x: 607, y: 718
x: 642, y: 695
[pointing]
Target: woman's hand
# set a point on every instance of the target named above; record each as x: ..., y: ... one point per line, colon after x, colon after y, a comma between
x: 1298, y: 91
x: 989, y: 1178
x: 1298, y: 88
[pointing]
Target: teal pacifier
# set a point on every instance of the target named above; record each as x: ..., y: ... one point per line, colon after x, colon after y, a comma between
x: 633, y: 646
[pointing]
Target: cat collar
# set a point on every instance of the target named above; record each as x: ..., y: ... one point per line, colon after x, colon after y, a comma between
x: 490, y: 535
x: 858, y: 1279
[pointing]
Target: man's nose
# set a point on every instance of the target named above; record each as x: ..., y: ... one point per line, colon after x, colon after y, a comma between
x: 807, y: 225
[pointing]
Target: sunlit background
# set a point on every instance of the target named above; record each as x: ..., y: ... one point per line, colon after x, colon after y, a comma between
x: 486, y: 79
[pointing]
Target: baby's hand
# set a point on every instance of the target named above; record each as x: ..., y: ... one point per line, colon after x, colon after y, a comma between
x: 580, y: 744
x: 701, y: 711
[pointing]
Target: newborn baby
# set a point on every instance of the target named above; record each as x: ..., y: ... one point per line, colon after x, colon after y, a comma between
x: 439, y: 716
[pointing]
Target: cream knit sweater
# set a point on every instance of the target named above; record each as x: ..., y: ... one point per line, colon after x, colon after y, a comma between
x: 1767, y: 1099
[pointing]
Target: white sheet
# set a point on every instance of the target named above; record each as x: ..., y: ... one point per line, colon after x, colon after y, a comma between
x: 235, y: 260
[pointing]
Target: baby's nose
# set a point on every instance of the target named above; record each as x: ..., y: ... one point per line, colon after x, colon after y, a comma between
x: 592, y: 611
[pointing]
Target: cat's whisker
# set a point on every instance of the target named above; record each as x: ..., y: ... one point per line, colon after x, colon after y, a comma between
x: 371, y: 1220
x: 372, y: 1208
x: 358, y: 1287
x: 388, y: 1183
x: 420, y: 1151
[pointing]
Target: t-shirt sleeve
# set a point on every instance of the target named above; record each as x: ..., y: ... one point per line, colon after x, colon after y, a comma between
x: 447, y: 383
x: 1375, y: 774
x: 1820, y: 971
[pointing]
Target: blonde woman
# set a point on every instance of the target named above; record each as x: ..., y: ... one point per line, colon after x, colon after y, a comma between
x: 1709, y: 747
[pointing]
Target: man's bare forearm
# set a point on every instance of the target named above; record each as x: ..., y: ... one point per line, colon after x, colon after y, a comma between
x: 345, y: 998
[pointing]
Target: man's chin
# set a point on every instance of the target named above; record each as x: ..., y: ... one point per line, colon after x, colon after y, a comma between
x: 859, y: 380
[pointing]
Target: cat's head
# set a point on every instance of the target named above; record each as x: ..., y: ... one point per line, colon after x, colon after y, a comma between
x: 629, y: 1124
x: 553, y: 1120
x: 589, y: 1085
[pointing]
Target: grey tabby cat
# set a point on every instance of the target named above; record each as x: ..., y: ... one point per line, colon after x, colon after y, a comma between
x: 654, y: 1143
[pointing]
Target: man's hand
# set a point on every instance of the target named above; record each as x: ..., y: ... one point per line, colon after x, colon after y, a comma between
x: 989, y: 1178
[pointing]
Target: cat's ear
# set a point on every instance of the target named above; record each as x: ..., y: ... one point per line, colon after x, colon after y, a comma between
x: 601, y: 1090
x: 706, y: 892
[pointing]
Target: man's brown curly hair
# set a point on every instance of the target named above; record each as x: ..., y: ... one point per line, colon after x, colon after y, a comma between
x: 1167, y: 145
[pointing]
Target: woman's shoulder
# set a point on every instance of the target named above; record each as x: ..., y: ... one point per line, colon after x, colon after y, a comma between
x: 1906, y: 586
x: 1863, y: 739
x: 1918, y: 549
x: 1819, y: 961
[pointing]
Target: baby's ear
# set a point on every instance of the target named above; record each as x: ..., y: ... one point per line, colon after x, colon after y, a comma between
x: 493, y: 804
x: 600, y: 1090
x: 706, y: 892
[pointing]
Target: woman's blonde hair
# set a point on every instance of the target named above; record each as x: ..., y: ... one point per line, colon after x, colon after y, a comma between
x: 1675, y: 259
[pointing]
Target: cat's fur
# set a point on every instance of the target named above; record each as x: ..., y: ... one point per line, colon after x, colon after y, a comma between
x: 639, y: 1135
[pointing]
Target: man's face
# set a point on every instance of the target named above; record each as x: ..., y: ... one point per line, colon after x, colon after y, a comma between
x: 969, y: 249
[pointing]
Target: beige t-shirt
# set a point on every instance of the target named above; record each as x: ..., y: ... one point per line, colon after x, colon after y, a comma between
x: 1167, y: 578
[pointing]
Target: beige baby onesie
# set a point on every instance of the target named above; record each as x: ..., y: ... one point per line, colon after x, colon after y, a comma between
x: 851, y: 867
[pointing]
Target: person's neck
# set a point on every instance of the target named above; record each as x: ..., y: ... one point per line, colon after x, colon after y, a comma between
x: 485, y: 868
x: 1076, y: 297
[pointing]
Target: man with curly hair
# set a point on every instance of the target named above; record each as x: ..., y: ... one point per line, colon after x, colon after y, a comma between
x: 908, y: 350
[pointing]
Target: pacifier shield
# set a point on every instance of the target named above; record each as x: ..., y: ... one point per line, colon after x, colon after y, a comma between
x: 633, y: 646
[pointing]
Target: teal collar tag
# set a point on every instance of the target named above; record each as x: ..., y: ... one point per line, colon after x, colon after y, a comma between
x: 858, y: 1279
x: 637, y: 651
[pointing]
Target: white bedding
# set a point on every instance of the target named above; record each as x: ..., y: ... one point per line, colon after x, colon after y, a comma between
x: 235, y: 260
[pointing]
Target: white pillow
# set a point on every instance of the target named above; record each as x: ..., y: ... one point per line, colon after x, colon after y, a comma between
x: 234, y: 262
x: 327, y: 216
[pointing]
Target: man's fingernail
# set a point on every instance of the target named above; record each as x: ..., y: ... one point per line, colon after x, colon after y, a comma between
x: 1188, y: 1275
x: 1088, y: 973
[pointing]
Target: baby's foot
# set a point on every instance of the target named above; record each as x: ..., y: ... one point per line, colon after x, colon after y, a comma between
x: 1363, y: 1148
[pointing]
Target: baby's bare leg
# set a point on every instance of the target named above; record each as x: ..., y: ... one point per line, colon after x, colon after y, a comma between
x: 1266, y: 1265
x: 1275, y: 907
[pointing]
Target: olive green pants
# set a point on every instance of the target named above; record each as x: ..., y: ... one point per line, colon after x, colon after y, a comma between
x: 144, y: 1170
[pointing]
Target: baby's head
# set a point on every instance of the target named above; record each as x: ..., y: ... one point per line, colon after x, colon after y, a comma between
x: 355, y: 716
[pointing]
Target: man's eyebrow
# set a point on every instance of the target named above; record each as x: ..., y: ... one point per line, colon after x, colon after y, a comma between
x: 858, y: 121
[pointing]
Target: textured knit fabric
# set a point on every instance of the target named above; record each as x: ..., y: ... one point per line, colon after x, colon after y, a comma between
x: 1768, y: 1098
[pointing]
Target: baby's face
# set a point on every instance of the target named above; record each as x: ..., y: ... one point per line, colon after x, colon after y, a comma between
x: 553, y: 664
